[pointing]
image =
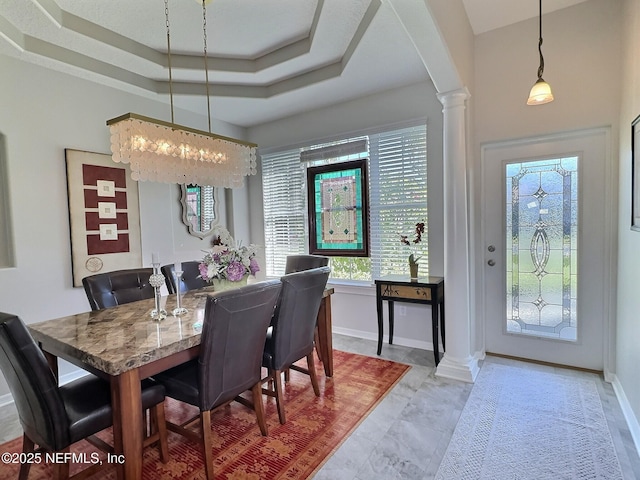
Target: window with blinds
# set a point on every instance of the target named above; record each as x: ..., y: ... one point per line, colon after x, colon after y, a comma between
x: 397, y: 201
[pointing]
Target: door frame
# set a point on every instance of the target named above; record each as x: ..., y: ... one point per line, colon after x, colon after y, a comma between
x: 610, y: 229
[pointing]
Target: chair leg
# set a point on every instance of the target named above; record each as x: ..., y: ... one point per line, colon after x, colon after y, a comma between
x: 27, y: 447
x: 207, y: 444
x: 277, y: 383
x: 316, y: 342
x: 259, y: 408
x: 61, y: 469
x: 161, y: 427
x: 312, y: 373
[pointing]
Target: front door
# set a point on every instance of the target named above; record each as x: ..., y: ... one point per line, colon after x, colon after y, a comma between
x: 546, y: 230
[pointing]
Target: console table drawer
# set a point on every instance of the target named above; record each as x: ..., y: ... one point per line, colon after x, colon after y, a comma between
x: 406, y: 292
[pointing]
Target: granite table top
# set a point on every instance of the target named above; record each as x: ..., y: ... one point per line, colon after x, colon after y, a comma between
x: 121, y: 338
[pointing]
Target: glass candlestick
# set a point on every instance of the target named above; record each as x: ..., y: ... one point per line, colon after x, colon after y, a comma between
x: 179, y: 310
x: 156, y: 280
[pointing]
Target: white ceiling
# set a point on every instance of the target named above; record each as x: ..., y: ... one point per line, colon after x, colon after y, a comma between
x: 267, y: 59
x: 486, y: 15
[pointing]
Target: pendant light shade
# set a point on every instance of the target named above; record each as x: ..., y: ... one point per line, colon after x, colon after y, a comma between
x: 541, y: 91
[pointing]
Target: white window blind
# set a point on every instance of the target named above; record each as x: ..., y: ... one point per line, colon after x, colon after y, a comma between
x: 397, y: 201
x: 284, y: 209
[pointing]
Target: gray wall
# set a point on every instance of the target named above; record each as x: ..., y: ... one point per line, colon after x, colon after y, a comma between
x: 628, y: 301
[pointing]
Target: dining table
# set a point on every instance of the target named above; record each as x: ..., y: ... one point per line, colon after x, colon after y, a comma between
x: 124, y: 345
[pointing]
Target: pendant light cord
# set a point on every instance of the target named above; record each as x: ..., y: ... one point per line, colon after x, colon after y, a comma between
x: 206, y: 68
x: 541, y: 67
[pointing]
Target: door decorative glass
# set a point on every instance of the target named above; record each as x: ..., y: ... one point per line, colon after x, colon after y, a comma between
x: 541, y: 248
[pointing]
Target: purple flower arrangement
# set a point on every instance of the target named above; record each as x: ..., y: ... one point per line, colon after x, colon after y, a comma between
x: 228, y: 260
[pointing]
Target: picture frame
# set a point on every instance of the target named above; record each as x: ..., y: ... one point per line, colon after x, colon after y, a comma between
x: 104, y: 215
x: 635, y: 174
x: 338, y: 209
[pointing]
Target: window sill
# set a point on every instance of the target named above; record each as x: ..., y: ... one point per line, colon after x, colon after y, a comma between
x: 353, y: 287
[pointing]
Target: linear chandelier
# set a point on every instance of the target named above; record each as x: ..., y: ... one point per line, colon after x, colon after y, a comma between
x: 161, y: 151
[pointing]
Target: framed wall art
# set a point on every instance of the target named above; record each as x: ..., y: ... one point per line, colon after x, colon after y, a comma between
x: 338, y: 209
x: 104, y: 215
x: 635, y: 174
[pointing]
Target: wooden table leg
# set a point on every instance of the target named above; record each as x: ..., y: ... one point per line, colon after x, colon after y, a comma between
x: 126, y: 398
x: 52, y: 360
x: 325, y: 338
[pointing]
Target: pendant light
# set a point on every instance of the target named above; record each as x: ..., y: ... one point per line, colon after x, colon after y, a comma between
x: 541, y: 91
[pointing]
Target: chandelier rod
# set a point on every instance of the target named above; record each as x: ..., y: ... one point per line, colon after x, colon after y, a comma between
x: 166, y: 15
x: 206, y: 67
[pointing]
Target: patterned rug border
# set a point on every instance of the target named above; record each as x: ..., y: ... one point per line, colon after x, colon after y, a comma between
x: 364, y: 417
x: 477, y: 449
x: 316, y: 428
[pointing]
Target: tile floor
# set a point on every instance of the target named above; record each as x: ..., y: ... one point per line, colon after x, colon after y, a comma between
x: 406, y: 436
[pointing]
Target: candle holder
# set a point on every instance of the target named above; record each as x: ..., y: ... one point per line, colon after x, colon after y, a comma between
x: 179, y: 310
x: 156, y: 280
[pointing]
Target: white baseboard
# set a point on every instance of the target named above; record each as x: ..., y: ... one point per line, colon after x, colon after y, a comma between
x: 404, y: 342
x: 627, y: 411
x: 7, y: 399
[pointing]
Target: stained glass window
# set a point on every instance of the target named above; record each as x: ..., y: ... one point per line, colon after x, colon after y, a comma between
x: 542, y: 247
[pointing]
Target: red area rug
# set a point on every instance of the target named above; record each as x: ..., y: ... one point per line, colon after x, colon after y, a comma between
x: 315, y: 428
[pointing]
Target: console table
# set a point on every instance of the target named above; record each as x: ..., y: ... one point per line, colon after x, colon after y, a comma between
x: 425, y: 290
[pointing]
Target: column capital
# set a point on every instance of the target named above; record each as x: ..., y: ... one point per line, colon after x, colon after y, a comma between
x: 454, y: 98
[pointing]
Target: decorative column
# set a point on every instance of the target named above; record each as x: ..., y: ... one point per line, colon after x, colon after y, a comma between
x: 458, y: 362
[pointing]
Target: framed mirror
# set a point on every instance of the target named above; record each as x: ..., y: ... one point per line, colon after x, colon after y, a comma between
x: 199, y: 209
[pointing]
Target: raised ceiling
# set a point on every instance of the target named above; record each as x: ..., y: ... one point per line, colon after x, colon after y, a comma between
x: 267, y: 59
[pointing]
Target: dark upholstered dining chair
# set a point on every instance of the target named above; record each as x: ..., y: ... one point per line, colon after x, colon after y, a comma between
x: 109, y: 289
x: 291, y: 334
x: 190, y: 277
x: 54, y: 417
x: 233, y: 335
x: 299, y: 263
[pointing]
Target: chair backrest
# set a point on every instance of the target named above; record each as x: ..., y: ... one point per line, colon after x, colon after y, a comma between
x: 106, y: 290
x: 295, y: 319
x: 299, y: 263
x: 33, y: 386
x: 190, y: 277
x: 233, y: 336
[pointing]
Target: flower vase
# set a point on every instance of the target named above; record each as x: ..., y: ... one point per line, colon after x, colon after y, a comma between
x: 221, y: 284
x: 413, y: 269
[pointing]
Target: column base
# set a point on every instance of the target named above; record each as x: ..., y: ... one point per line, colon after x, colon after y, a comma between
x: 464, y: 370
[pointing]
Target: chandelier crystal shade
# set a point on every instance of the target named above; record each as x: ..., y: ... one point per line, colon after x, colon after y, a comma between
x: 164, y: 152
